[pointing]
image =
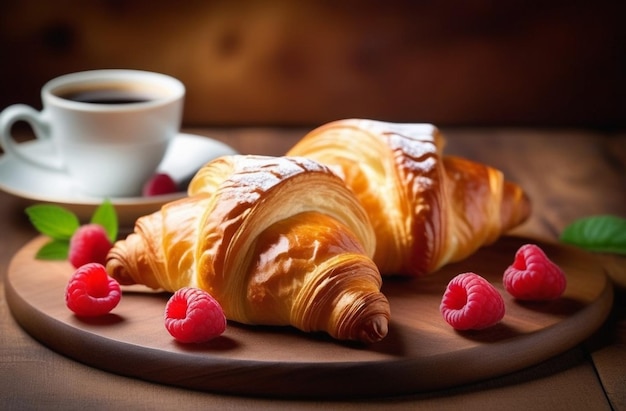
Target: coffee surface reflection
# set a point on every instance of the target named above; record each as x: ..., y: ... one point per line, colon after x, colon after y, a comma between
x: 106, y: 97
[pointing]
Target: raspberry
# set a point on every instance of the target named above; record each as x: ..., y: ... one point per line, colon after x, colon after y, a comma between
x: 470, y: 302
x: 194, y: 316
x: 89, y: 244
x: 533, y: 276
x: 91, y: 292
x: 158, y: 184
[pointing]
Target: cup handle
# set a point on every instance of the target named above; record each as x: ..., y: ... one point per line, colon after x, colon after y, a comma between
x: 41, y: 128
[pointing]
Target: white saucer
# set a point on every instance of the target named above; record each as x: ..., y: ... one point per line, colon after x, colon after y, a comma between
x: 186, y: 154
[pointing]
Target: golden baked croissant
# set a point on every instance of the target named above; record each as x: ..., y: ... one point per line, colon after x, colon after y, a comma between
x: 277, y: 241
x: 427, y: 209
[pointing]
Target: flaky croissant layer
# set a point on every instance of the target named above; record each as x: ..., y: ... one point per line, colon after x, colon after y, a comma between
x: 277, y: 241
x: 427, y: 209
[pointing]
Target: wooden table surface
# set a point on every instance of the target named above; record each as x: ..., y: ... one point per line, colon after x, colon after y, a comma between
x: 568, y: 174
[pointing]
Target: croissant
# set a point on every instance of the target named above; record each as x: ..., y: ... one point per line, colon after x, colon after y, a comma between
x: 276, y: 240
x: 427, y: 209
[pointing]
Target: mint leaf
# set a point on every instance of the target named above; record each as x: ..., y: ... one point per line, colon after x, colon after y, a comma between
x: 54, y: 221
x: 601, y: 233
x: 106, y: 216
x: 60, y: 224
x: 54, y: 250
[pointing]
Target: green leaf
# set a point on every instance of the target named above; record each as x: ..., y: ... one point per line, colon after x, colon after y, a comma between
x: 106, y: 216
x: 54, y: 221
x: 54, y: 250
x: 601, y: 233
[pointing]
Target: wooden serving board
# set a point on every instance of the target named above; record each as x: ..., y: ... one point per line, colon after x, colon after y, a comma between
x: 421, y: 352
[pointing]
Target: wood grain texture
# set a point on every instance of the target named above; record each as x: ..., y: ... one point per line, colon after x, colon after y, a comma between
x: 589, y: 376
x: 421, y: 352
x: 274, y: 62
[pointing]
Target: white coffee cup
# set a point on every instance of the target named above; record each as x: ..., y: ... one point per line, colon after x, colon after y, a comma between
x: 110, y: 128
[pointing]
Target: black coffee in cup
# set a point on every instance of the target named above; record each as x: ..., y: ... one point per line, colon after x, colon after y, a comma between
x: 108, y: 149
x: 107, y: 96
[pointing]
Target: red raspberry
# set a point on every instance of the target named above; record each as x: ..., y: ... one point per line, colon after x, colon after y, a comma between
x: 91, y: 292
x: 89, y: 244
x: 532, y: 276
x: 470, y: 302
x: 194, y: 316
x: 159, y: 184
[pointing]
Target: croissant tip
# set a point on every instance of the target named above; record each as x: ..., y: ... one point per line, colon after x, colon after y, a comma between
x: 375, y: 329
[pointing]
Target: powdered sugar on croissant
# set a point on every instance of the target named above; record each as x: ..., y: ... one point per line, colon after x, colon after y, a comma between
x: 427, y: 209
x: 277, y: 241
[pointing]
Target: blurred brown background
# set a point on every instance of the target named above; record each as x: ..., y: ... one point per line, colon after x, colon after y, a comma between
x: 475, y: 62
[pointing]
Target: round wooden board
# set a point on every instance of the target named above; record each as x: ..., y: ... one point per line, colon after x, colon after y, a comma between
x: 420, y: 353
